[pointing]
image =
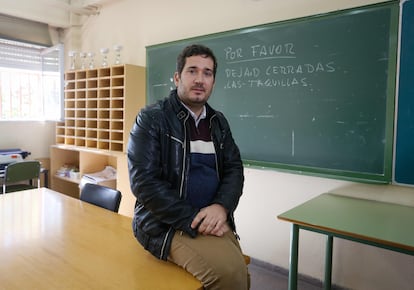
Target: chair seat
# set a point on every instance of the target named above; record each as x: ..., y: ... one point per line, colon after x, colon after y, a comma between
x: 18, y: 187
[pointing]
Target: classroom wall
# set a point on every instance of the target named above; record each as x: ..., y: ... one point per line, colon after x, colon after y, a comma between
x: 33, y: 136
x: 135, y: 24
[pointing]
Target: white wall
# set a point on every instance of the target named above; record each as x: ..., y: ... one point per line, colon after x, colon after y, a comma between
x: 137, y: 23
x: 33, y: 136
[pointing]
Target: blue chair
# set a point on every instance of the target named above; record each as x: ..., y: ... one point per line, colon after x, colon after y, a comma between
x: 102, y: 196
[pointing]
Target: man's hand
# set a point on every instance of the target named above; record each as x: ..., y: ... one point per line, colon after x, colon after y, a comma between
x: 211, y: 220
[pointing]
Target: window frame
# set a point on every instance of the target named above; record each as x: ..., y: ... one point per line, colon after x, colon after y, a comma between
x: 51, y: 60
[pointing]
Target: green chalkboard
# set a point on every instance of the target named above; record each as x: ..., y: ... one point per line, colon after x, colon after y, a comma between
x: 313, y: 95
x: 404, y: 147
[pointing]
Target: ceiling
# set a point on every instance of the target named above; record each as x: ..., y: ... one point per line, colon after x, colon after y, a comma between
x: 56, y: 13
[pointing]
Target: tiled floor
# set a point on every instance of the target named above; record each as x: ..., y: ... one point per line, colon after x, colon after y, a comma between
x: 263, y: 277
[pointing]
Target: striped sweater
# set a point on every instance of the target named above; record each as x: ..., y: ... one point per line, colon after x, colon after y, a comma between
x: 203, y: 180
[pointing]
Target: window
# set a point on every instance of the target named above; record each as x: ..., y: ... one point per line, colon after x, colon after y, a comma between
x: 31, y: 81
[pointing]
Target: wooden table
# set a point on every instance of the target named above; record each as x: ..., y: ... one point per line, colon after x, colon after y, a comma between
x: 380, y: 224
x: 52, y: 241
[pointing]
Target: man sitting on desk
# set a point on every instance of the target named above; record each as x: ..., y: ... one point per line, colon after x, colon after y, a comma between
x: 187, y: 175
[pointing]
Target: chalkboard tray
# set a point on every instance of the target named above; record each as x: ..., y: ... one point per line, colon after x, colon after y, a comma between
x: 313, y: 95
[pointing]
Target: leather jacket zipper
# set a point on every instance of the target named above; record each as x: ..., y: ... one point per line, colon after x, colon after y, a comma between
x: 164, y: 243
x: 184, y: 144
x: 220, y: 146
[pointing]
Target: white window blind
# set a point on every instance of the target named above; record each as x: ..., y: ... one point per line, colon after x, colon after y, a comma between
x: 31, y: 81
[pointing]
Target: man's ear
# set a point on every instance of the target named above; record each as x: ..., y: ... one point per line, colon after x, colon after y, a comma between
x: 176, y: 78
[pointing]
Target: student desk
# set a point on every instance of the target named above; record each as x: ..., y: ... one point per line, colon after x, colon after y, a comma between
x: 52, y: 241
x: 375, y: 223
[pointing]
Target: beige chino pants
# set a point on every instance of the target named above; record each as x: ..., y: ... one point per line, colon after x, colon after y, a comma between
x: 217, y: 262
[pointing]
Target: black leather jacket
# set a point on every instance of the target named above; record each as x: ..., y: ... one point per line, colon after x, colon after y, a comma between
x: 158, y: 161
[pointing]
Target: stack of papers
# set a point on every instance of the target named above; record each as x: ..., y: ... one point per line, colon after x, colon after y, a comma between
x: 109, y: 173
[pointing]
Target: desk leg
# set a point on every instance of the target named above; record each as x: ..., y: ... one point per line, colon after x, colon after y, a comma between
x: 328, y: 262
x: 46, y: 175
x: 293, y: 263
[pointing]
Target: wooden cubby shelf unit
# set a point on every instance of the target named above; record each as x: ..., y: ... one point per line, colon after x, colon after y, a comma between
x: 100, y: 106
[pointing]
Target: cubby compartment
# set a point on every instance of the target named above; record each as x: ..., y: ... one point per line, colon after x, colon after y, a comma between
x: 91, y: 84
x: 91, y: 143
x: 80, y: 160
x: 103, y: 145
x: 60, y: 139
x: 70, y: 131
x: 70, y: 95
x: 92, y: 134
x: 80, y: 95
x: 103, y: 135
x: 80, y: 133
x: 92, y: 73
x: 117, y: 103
x: 91, y: 116
x: 69, y: 140
x: 117, y: 125
x: 80, y: 142
x: 60, y: 130
x: 69, y: 113
x: 80, y: 125
x: 116, y: 136
x: 117, y: 82
x: 92, y: 94
x: 104, y: 72
x: 117, y: 93
x: 104, y: 104
x: 116, y: 146
x: 69, y: 76
x: 80, y: 75
x: 92, y: 104
x: 81, y: 103
x: 117, y: 115
x: 70, y: 122
x: 104, y: 83
x: 103, y: 114
x: 80, y: 114
x: 80, y: 85
x: 118, y: 70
